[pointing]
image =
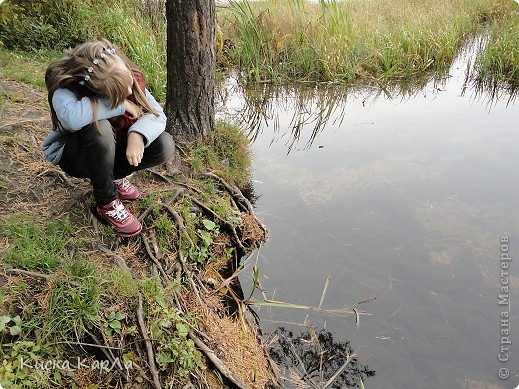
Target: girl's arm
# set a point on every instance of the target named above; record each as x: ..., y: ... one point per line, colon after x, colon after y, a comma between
x: 75, y: 114
x: 149, y: 125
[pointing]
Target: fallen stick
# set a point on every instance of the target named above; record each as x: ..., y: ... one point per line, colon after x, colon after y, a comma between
x: 149, y: 346
x: 145, y: 213
x: 178, y: 219
x: 155, y: 244
x: 210, y: 354
x: 238, y: 195
x: 120, y: 262
x: 46, y: 277
x: 161, y: 176
x: 235, y: 192
x: 152, y: 256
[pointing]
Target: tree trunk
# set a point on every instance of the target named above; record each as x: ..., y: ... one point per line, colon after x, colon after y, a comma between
x: 190, y: 67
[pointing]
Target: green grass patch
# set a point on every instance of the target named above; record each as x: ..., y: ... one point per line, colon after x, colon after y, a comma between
x: 75, y: 301
x: 38, y: 247
x: 121, y: 283
x: 124, y: 26
x: 499, y: 61
x: 227, y: 154
x: 27, y: 67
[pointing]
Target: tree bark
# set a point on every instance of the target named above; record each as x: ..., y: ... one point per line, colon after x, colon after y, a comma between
x: 191, y: 68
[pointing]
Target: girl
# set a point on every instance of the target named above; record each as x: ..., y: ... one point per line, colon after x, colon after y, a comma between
x: 106, y: 125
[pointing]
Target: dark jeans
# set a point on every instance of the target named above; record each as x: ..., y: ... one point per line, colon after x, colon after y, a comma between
x: 94, y: 154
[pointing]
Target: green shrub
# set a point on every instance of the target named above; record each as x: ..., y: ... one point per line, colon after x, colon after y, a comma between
x: 53, y: 24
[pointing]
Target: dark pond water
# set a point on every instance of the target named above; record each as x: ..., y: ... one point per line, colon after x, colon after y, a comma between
x: 402, y: 199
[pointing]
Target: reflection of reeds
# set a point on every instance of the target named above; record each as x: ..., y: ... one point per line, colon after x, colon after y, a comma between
x: 313, y: 106
x: 346, y: 40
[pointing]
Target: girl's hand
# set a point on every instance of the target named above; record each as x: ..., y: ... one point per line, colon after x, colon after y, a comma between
x: 135, y: 148
x: 133, y: 110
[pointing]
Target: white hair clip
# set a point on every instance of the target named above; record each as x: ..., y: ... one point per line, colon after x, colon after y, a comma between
x: 81, y: 82
x: 96, y: 61
x: 90, y: 69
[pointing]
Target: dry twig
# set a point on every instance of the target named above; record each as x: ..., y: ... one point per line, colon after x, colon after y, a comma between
x: 149, y: 346
x: 210, y: 354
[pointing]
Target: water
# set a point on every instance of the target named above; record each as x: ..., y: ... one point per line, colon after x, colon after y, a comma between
x: 404, y: 200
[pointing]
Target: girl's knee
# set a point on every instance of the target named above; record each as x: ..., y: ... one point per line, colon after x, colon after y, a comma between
x: 165, y: 147
x: 100, y: 133
x: 169, y: 145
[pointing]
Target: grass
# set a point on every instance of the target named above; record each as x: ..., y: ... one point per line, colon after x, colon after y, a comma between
x: 134, y: 34
x: 365, y: 41
x: 498, y: 63
x: 358, y: 40
x: 28, y: 67
x: 75, y: 301
x: 38, y: 247
x: 226, y: 154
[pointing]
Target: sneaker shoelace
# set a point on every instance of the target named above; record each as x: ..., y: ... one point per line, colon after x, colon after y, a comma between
x: 123, y: 184
x: 119, y: 213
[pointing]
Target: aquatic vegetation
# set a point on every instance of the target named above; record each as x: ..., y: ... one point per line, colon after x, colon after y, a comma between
x: 499, y: 60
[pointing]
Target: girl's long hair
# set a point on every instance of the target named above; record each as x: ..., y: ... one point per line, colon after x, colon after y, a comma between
x: 105, y: 81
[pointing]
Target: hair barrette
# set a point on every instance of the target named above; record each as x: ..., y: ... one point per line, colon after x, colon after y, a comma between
x: 87, y: 78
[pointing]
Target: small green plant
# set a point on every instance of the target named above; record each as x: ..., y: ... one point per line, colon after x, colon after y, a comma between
x: 17, y: 365
x: 114, y: 319
x: 18, y: 356
x: 15, y: 326
x: 199, y: 253
x: 176, y: 353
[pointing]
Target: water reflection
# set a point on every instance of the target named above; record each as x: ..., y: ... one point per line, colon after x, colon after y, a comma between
x: 403, y: 199
x: 313, y: 358
x: 313, y: 106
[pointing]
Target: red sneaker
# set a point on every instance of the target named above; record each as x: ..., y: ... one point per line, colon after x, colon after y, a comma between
x: 126, y: 191
x: 126, y: 225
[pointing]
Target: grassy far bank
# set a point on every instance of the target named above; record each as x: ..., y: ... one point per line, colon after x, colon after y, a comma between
x: 367, y: 40
x: 64, y: 288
